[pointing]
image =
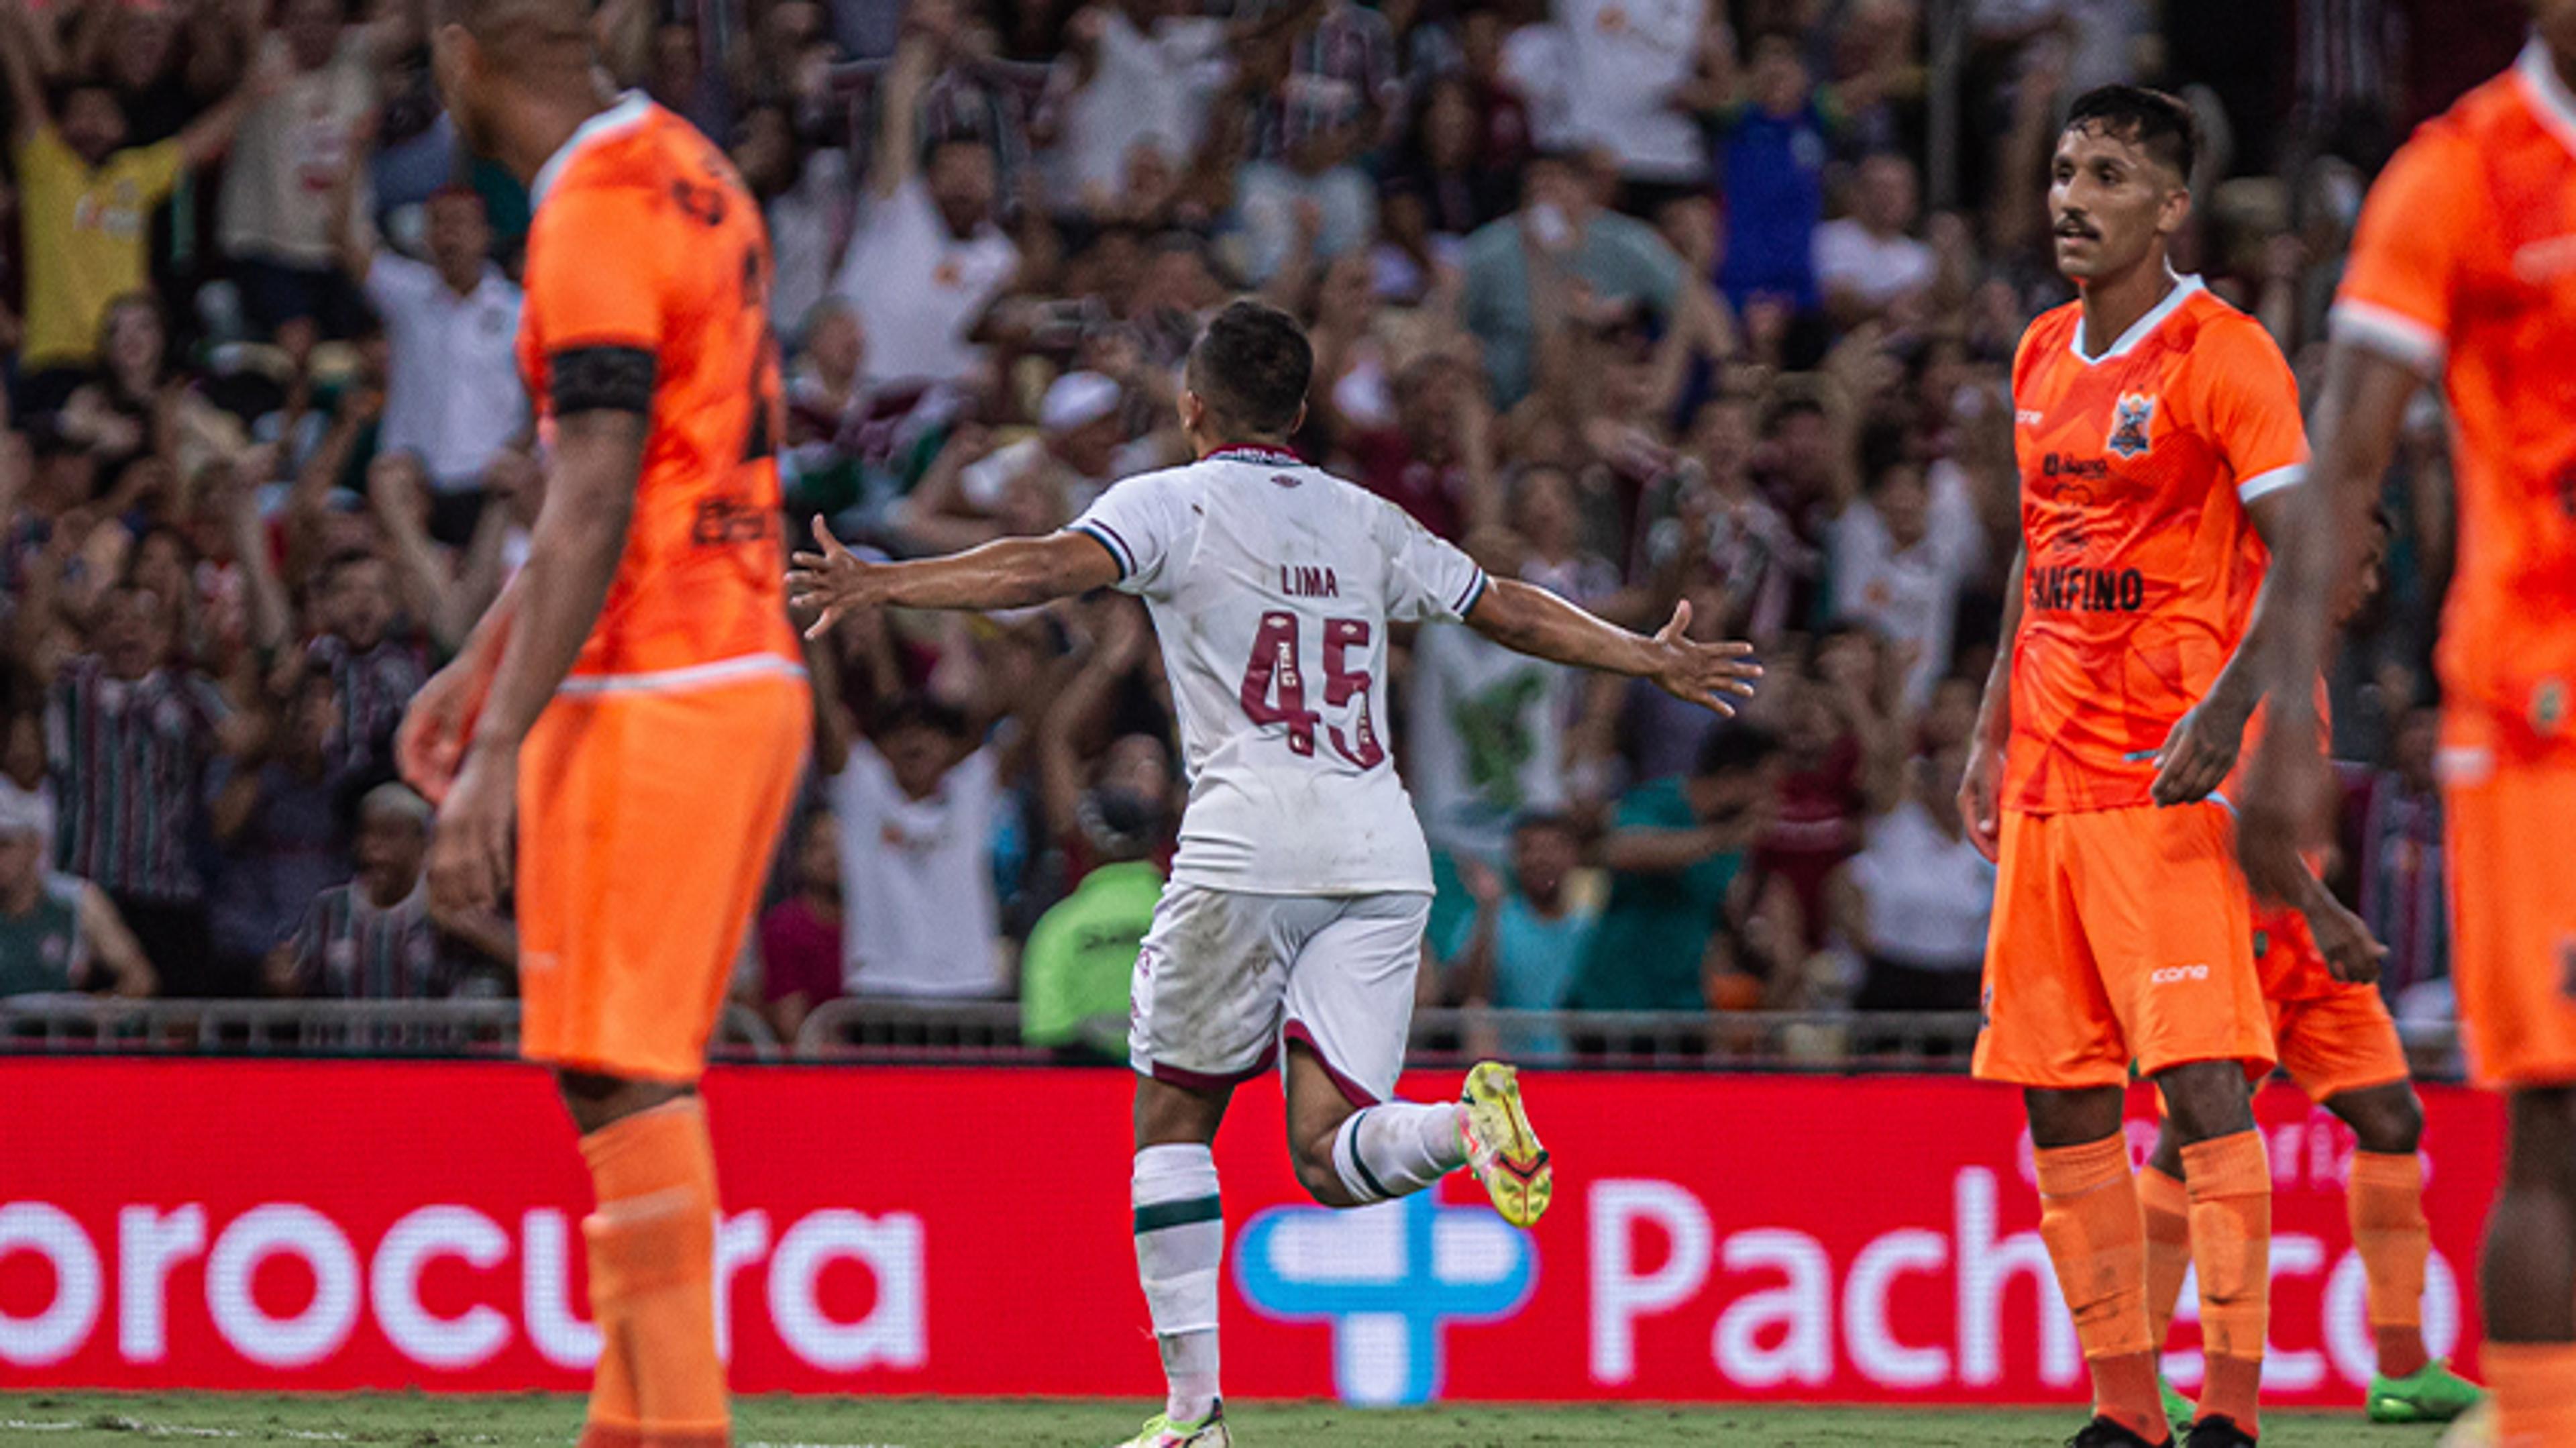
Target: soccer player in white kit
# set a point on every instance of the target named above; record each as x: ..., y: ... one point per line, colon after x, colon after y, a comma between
x: 1295, y: 912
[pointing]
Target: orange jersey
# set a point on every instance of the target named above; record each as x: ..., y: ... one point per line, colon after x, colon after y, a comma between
x: 647, y: 289
x: 2465, y: 266
x: 2136, y: 467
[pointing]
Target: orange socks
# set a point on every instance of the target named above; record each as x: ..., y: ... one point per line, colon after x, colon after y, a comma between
x: 652, y: 1251
x: 2088, y: 1216
x: 2535, y: 1392
x: 2230, y: 1183
x: 2168, y: 1212
x: 2386, y: 1199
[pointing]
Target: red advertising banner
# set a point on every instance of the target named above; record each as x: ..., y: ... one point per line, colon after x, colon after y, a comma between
x: 336, y: 1225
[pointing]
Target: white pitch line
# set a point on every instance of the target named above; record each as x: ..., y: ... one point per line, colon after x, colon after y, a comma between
x: 121, y: 1424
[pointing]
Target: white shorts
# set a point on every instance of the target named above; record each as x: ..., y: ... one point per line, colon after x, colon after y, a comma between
x: 1224, y: 977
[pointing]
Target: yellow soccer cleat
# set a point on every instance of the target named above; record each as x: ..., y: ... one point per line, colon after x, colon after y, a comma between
x: 1502, y: 1150
x: 1162, y: 1432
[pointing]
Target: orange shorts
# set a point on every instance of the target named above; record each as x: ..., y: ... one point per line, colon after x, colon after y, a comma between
x: 2342, y: 1041
x: 2119, y: 935
x: 647, y: 823
x: 2513, y: 906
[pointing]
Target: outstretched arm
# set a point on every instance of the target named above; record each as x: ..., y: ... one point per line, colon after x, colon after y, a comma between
x: 1536, y: 622
x: 1006, y: 573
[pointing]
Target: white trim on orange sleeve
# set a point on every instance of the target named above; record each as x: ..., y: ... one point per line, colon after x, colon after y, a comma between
x: 2387, y: 331
x: 2263, y: 485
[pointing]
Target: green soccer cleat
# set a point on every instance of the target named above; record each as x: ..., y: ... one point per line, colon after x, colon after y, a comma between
x: 2431, y: 1394
x: 1502, y: 1150
x: 2178, y: 1409
x: 1161, y: 1432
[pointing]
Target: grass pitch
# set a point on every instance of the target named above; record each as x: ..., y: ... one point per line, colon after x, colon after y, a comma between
x: 130, y: 1420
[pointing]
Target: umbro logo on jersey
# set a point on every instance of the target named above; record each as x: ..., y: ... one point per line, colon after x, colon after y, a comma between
x: 2029, y: 417
x: 2129, y: 427
x: 2176, y: 974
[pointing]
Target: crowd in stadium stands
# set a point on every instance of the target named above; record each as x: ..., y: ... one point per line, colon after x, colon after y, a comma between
x: 1637, y: 299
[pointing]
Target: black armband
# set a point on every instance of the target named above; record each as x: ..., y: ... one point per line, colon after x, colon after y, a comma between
x: 601, y: 379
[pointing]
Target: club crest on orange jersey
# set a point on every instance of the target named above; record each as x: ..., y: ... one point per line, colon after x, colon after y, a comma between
x: 2135, y: 414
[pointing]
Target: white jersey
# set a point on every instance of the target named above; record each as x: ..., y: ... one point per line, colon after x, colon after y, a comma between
x: 1272, y: 584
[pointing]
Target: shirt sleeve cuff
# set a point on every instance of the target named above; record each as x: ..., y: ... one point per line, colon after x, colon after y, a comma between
x: 2388, y: 332
x: 2263, y: 485
x: 1107, y: 537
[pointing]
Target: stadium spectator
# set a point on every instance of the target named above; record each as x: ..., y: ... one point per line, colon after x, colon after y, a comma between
x: 1081, y: 954
x: 1914, y: 902
x: 58, y: 932
x: 1901, y: 557
x: 1096, y: 799
x: 375, y: 669
x: 128, y: 726
x: 1869, y: 263
x: 927, y: 257
x: 800, y: 936
x: 1561, y: 260
x: 306, y: 131
x: 1312, y: 134
x: 1675, y: 850
x: 1529, y: 934
x: 1776, y: 132
x: 377, y: 937
x: 1628, y: 69
x: 453, y: 399
x: 977, y: 492
x: 86, y: 199
x: 916, y: 802
x: 278, y: 823
x: 1488, y: 742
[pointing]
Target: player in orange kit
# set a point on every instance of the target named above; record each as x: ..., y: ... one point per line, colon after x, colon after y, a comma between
x: 630, y: 718
x: 2463, y: 271
x: 2337, y: 1040
x: 2160, y: 447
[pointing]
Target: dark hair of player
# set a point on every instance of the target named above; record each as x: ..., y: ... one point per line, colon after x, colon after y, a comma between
x: 1251, y: 367
x: 2157, y: 122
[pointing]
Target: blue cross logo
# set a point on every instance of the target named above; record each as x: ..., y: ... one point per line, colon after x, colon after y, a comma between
x: 1388, y: 1278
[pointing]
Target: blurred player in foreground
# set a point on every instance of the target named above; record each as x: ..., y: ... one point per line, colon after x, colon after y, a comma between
x: 630, y: 718
x: 2337, y: 1040
x: 1296, y: 907
x: 2464, y: 272
x: 2158, y: 435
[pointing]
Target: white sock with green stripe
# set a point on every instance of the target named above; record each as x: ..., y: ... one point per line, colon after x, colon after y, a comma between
x: 1180, y: 1247
x: 1397, y: 1148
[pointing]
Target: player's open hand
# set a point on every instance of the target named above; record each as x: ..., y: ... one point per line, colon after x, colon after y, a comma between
x: 470, y: 857
x: 2198, y: 755
x: 831, y: 580
x: 1709, y: 674
x: 1981, y: 790
x: 430, y: 745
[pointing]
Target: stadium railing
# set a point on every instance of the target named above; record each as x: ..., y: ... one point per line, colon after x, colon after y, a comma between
x: 52, y: 1024
x: 891, y: 1032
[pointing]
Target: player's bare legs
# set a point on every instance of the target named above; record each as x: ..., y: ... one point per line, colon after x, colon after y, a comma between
x: 651, y: 1242
x: 1350, y: 1155
x: 2527, y: 1275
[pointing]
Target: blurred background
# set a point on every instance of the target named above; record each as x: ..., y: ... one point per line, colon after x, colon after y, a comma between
x: 1640, y: 300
